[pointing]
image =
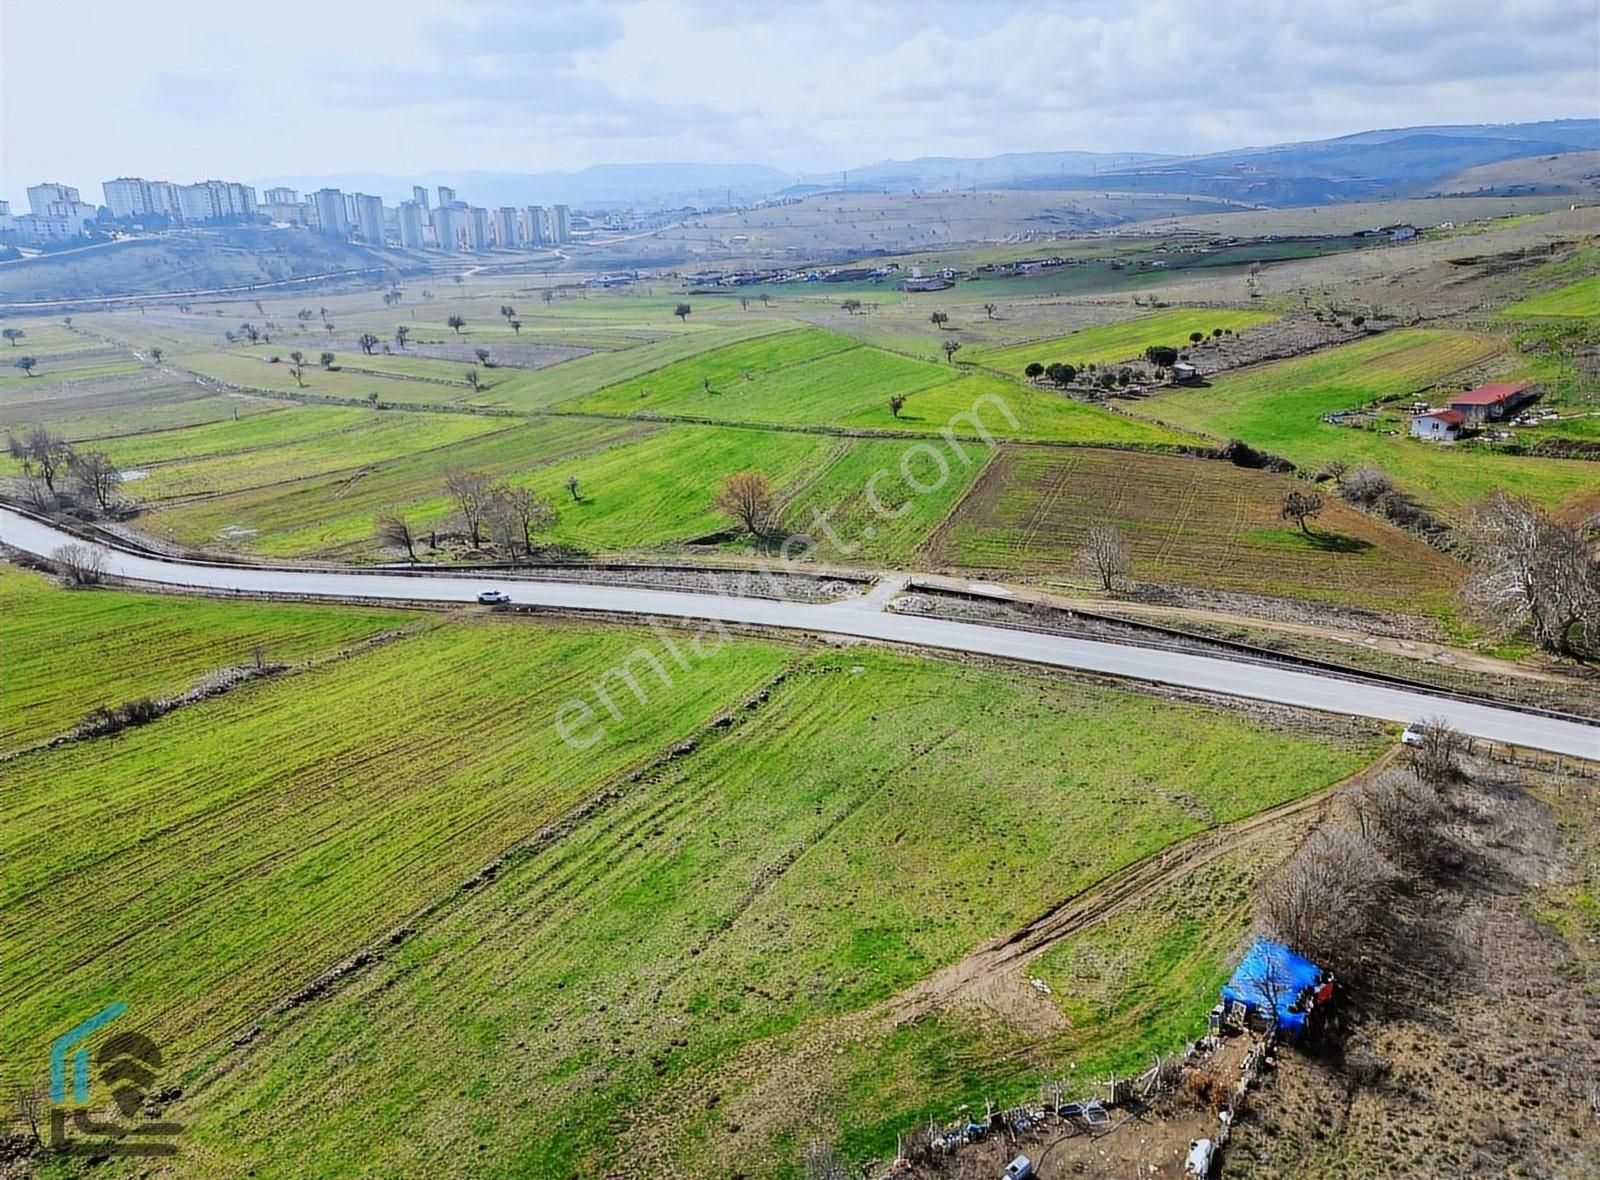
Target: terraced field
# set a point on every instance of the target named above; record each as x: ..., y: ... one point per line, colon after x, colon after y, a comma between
x: 1278, y: 408
x: 62, y: 654
x: 773, y: 881
x: 1121, y: 341
x: 1189, y: 522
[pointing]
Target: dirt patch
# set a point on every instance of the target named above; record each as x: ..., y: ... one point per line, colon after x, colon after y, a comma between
x: 511, y: 354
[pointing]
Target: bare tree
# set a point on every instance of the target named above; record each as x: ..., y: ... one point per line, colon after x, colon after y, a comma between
x: 1320, y: 901
x: 298, y: 368
x: 748, y: 499
x: 1529, y: 569
x: 951, y: 347
x: 516, y: 514
x: 1106, y: 555
x: 989, y: 310
x: 39, y: 450
x: 368, y: 342
x: 394, y: 530
x: 98, y: 476
x: 1401, y: 815
x: 572, y: 487
x: 473, y: 379
x: 1300, y: 506
x: 897, y: 402
x: 456, y: 323
x: 81, y: 565
x: 400, y: 336
x: 939, y: 319
x: 470, y: 491
x: 1366, y: 486
x: 1435, y: 751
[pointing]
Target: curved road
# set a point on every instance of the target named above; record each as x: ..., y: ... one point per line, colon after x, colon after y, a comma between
x: 862, y: 618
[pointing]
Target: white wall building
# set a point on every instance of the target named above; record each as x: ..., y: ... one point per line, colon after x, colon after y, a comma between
x: 331, y: 217
x: 560, y: 224
x: 410, y: 219
x: 506, y: 230
x: 533, y: 226
x: 368, y: 220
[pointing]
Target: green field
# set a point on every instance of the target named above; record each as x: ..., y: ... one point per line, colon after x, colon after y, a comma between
x: 62, y: 654
x: 775, y: 880
x: 1581, y: 298
x: 1122, y: 341
x: 216, y: 859
x: 1277, y: 407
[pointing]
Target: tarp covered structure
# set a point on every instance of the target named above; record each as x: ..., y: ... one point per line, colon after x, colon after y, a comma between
x: 1271, y: 978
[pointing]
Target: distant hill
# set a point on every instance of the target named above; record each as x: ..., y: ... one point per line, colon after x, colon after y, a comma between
x: 1577, y: 173
x: 187, y: 261
x: 1369, y: 164
x: 602, y: 186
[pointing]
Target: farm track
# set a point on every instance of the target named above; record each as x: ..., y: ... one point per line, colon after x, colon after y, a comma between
x: 988, y: 977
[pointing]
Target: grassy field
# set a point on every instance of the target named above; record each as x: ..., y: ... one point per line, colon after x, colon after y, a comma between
x: 1122, y: 341
x: 1581, y: 298
x: 776, y: 879
x: 1277, y: 407
x: 213, y: 861
x: 62, y: 654
x: 1189, y: 522
x: 332, y: 515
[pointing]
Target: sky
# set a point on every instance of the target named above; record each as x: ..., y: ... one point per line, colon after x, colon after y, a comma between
x: 185, y: 90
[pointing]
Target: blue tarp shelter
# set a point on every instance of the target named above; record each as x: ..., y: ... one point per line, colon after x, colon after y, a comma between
x: 1272, y: 976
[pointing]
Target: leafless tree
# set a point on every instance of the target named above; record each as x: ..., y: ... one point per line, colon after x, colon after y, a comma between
x: 989, y: 310
x: 1530, y: 569
x: 1435, y: 753
x: 823, y: 1163
x: 400, y: 335
x: 473, y: 379
x: 951, y: 347
x: 1336, y: 469
x: 39, y: 450
x: 81, y: 565
x: 516, y: 514
x: 748, y: 499
x: 1106, y: 555
x: 1300, y: 506
x: 297, y: 371
x: 1320, y: 900
x: 1401, y: 815
x: 897, y: 402
x: 394, y: 530
x: 98, y: 476
x: 572, y: 487
x: 1366, y: 486
x: 470, y: 491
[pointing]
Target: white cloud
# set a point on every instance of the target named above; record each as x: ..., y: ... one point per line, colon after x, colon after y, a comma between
x: 90, y: 90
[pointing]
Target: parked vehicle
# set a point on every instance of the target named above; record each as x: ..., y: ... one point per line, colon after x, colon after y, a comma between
x: 1019, y: 1169
x: 1198, y: 1162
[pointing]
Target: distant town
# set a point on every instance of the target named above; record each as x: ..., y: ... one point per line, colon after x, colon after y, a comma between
x: 57, y: 215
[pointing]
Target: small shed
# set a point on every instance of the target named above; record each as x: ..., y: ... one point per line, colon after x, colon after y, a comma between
x: 1438, y: 425
x: 1275, y: 983
x: 1183, y: 372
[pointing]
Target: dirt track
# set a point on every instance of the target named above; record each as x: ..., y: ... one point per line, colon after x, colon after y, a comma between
x: 990, y: 977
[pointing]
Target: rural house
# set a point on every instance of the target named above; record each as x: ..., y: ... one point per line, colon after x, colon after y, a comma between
x: 1491, y: 402
x: 1438, y: 425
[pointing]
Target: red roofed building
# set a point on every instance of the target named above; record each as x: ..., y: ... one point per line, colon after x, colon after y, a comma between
x: 1492, y: 402
x: 1438, y: 425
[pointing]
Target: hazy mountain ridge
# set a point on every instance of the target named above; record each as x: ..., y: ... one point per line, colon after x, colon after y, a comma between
x: 1398, y: 160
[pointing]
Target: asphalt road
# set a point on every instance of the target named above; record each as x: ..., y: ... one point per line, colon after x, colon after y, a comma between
x: 860, y: 619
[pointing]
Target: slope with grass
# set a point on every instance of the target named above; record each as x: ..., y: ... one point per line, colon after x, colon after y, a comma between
x: 1122, y: 341
x: 203, y: 867
x: 1189, y: 522
x: 1278, y: 408
x: 775, y: 879
x: 63, y: 653
x: 1581, y: 298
